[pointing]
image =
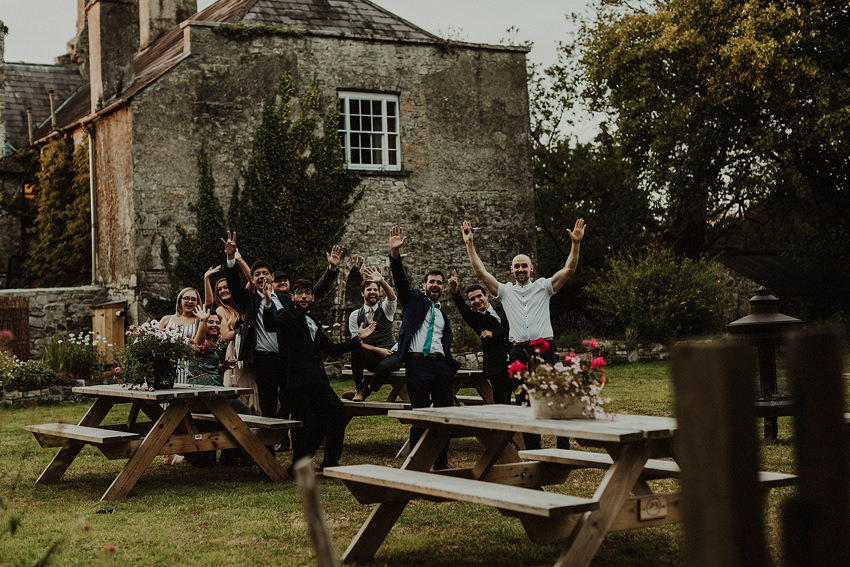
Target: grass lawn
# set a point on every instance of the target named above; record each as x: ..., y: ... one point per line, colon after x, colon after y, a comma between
x: 180, y: 515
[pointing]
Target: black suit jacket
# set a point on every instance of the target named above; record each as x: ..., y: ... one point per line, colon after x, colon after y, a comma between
x: 305, y: 360
x: 250, y: 304
x: 495, y: 348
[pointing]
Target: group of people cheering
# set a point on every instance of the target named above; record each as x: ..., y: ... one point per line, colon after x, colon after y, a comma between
x: 276, y: 347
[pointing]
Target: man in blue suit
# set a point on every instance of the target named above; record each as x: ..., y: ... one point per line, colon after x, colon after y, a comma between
x: 424, y: 341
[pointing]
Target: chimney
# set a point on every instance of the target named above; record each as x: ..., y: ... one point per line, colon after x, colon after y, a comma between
x: 159, y: 16
x: 78, y: 51
x: 113, y: 39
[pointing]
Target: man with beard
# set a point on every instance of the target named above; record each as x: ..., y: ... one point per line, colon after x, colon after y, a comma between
x: 490, y: 323
x: 311, y: 398
x: 376, y: 354
x: 526, y: 303
x: 424, y: 341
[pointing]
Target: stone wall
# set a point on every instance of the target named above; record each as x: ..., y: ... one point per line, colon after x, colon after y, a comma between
x: 464, y: 132
x: 61, y: 309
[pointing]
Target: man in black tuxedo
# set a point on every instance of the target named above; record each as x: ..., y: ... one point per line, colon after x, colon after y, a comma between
x: 489, y: 322
x: 261, y: 348
x: 311, y: 398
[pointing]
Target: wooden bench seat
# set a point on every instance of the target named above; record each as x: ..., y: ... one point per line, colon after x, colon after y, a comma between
x: 58, y: 434
x: 654, y: 468
x: 410, y: 484
x: 471, y: 400
x: 257, y: 421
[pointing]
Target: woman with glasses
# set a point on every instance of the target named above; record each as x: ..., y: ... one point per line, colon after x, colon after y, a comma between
x: 185, y: 321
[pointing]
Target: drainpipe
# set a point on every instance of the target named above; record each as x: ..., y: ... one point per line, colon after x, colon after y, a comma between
x: 29, y: 123
x: 52, y: 109
x: 92, y: 206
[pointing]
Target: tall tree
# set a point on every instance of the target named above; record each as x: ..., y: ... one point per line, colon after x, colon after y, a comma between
x: 727, y: 106
x: 296, y: 194
x: 59, y: 253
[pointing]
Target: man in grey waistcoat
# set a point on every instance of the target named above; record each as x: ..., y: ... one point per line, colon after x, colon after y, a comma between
x: 378, y: 352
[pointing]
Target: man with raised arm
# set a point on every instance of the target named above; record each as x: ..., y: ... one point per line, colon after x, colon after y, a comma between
x: 526, y: 301
x: 424, y: 341
x: 377, y: 354
x: 490, y: 323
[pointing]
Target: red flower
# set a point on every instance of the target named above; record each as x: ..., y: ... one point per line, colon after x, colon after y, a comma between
x: 590, y: 342
x: 597, y: 362
x: 516, y: 366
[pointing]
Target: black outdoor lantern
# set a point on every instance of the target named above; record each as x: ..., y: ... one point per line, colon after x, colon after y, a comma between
x: 766, y: 328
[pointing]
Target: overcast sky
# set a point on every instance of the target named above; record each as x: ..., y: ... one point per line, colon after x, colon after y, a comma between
x: 40, y: 29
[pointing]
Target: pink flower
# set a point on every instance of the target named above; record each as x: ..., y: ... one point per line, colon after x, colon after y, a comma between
x: 117, y: 369
x: 6, y: 336
x: 569, y: 358
x: 203, y: 347
x: 516, y: 366
x: 540, y: 345
x: 597, y: 362
x: 590, y: 342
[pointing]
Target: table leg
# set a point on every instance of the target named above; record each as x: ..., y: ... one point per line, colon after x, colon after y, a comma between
x: 247, y: 440
x: 383, y: 517
x: 484, y: 389
x: 148, y: 450
x: 66, y: 455
x: 497, y: 449
x: 611, y: 494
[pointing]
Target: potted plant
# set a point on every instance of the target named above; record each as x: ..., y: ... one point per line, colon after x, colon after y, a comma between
x: 151, y: 356
x: 568, y: 389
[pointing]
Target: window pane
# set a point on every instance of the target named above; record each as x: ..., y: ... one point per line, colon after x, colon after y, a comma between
x: 376, y: 156
x: 377, y: 141
x: 376, y: 108
x: 355, y: 123
x: 391, y: 127
x: 354, y: 105
x: 392, y: 157
x: 392, y: 142
x: 376, y: 124
x: 365, y: 156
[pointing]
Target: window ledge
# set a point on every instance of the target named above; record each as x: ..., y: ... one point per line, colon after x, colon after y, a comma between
x: 380, y: 173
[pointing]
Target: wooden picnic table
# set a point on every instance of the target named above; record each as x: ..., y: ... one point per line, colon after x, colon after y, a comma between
x: 183, y: 419
x: 465, y: 378
x: 634, y: 444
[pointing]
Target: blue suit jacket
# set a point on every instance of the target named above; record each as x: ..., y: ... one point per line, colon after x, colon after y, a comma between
x: 416, y: 307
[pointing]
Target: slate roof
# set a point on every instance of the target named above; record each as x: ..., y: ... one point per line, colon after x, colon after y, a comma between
x: 28, y: 85
x: 344, y: 17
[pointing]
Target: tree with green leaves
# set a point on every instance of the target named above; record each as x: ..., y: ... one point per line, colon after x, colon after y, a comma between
x: 729, y: 110
x: 59, y: 252
x: 296, y: 194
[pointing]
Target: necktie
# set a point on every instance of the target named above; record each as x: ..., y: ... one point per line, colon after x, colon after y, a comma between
x: 370, y: 316
x: 430, y: 335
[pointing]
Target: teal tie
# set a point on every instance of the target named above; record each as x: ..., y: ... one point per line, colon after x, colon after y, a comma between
x: 430, y: 335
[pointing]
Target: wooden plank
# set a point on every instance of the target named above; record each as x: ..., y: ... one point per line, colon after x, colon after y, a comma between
x: 180, y: 391
x: 57, y: 434
x: 254, y: 421
x: 311, y: 503
x: 717, y: 450
x: 513, y: 498
x: 816, y: 520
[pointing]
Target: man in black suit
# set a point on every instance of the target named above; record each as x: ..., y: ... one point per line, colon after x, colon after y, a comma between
x: 489, y: 322
x: 311, y: 398
x: 261, y: 348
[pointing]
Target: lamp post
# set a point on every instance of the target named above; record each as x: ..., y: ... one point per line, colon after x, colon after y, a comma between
x: 766, y: 328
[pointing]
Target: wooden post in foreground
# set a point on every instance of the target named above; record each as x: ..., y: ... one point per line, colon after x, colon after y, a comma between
x: 816, y: 526
x: 717, y: 450
x: 314, y: 513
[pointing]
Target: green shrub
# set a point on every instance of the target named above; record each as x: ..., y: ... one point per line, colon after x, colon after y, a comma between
x: 659, y: 297
x: 31, y: 375
x: 7, y: 362
x: 77, y: 356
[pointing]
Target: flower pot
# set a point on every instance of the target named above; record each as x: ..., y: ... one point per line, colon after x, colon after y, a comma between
x: 164, y: 373
x: 555, y: 407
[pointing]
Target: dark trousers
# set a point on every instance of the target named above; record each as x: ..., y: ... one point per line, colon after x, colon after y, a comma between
x: 270, y: 375
x: 429, y: 381
x: 382, y: 366
x: 324, y: 416
x: 502, y: 385
x: 524, y: 354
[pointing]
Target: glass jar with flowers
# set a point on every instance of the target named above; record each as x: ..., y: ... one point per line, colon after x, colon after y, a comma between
x: 150, y: 356
x: 568, y: 389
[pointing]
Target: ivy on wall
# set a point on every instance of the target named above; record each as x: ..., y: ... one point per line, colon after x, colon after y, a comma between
x: 59, y: 250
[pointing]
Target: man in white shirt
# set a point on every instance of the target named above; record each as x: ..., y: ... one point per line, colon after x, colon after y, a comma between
x: 377, y: 352
x: 526, y: 301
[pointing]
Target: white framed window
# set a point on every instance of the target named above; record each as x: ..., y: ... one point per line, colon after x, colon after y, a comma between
x: 368, y: 129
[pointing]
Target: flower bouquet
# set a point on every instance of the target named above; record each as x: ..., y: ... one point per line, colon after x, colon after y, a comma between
x: 150, y: 356
x: 564, y: 390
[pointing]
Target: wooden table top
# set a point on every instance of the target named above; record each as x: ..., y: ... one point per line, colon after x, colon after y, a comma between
x: 609, y: 428
x: 178, y: 392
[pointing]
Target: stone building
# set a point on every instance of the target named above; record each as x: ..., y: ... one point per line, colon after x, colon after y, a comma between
x: 438, y: 130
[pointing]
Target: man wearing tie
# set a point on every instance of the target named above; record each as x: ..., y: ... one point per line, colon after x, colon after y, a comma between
x: 489, y: 322
x: 424, y: 341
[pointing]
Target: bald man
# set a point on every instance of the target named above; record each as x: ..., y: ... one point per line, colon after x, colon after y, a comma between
x: 526, y: 301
